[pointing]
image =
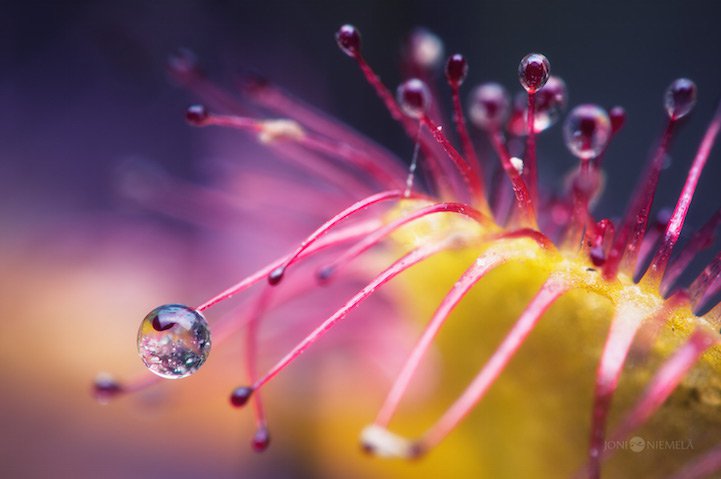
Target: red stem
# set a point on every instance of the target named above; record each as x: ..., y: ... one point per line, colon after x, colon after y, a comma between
x: 530, y: 159
x: 470, y: 178
x: 633, y: 227
x: 378, y: 235
x: 675, y: 224
x: 546, y: 296
x: 332, y: 239
x: 520, y: 190
x: 459, y: 120
x: 396, y: 268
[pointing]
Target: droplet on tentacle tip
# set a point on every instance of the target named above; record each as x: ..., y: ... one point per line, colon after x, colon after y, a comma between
x: 261, y: 440
x: 586, y: 131
x: 617, y: 115
x: 414, y: 98
x: 276, y: 276
x: 533, y: 72
x: 488, y: 106
x: 456, y: 70
x: 174, y: 341
x: 349, y: 40
x: 196, y: 115
x: 105, y: 388
x: 680, y: 98
x: 240, y: 396
x: 597, y: 255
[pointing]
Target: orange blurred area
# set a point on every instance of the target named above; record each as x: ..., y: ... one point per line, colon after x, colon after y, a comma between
x: 71, y: 314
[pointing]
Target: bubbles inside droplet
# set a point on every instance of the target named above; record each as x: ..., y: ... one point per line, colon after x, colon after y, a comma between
x: 488, y: 106
x: 174, y: 341
x: 680, y: 98
x: 586, y: 131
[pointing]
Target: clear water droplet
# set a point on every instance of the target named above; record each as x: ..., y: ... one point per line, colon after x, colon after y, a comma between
x: 488, y: 106
x: 586, y: 131
x: 414, y: 98
x: 533, y: 72
x: 174, y: 341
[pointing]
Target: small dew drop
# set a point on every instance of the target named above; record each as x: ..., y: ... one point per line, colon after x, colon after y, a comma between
x: 174, y: 341
x: 414, y: 98
x: 324, y: 274
x: 276, y: 276
x: 517, y: 164
x: 586, y: 131
x: 488, y: 106
x: 680, y: 98
x: 349, y: 40
x: 261, y: 440
x: 106, y: 388
x: 533, y: 72
x: 456, y: 70
x: 597, y: 255
x: 196, y: 115
x: 240, y: 395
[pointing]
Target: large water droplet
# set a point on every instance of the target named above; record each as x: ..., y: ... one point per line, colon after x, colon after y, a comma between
x: 587, y: 130
x: 174, y: 341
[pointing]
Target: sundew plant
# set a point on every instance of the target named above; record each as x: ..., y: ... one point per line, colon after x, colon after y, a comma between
x: 544, y: 340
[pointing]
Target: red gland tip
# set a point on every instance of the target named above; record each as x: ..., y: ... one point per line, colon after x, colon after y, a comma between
x: 240, y: 395
x: 533, y: 72
x: 323, y: 275
x: 617, y: 115
x: 597, y: 255
x: 106, y: 388
x: 275, y: 276
x: 196, y: 115
x: 261, y: 440
x: 680, y: 98
x: 414, y: 98
x: 349, y: 40
x: 456, y: 70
